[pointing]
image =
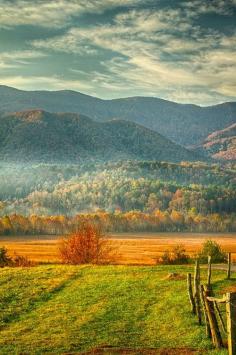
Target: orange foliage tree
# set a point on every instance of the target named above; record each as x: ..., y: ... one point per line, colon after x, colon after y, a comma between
x: 87, y: 246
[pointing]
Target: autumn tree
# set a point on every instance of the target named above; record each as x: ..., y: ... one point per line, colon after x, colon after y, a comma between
x: 87, y: 245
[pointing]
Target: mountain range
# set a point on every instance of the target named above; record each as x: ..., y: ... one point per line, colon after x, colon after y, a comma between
x: 37, y: 135
x: 187, y: 125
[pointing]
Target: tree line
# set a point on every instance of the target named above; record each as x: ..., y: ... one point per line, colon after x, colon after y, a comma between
x: 137, y: 195
x: 132, y: 221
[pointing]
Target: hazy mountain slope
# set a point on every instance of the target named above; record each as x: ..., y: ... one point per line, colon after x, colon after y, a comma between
x: 221, y: 144
x: 41, y: 136
x: 184, y: 124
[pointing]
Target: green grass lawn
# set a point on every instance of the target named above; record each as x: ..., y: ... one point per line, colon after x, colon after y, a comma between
x: 72, y: 309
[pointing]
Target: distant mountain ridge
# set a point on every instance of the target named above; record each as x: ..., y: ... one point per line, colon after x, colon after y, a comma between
x: 37, y: 135
x: 184, y: 124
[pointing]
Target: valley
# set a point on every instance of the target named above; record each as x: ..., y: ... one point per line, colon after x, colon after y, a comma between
x: 129, y: 248
x: 117, y: 177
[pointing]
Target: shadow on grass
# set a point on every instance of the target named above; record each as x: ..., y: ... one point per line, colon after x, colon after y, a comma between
x: 42, y: 298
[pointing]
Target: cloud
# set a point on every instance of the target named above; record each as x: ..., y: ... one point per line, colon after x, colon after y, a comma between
x: 16, y: 59
x: 164, y: 51
x: 220, y: 7
x: 56, y: 14
x: 73, y: 43
x: 43, y: 83
x: 159, y: 51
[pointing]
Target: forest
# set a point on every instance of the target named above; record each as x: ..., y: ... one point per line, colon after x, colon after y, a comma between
x: 122, y: 196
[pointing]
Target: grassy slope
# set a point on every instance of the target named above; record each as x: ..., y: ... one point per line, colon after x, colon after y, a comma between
x: 58, y: 309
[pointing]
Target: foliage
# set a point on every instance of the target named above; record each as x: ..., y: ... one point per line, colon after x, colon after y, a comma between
x: 87, y: 245
x: 145, y: 186
x: 5, y: 259
x: 132, y: 221
x: 177, y: 256
x: 222, y: 144
x: 213, y: 249
x: 123, y: 196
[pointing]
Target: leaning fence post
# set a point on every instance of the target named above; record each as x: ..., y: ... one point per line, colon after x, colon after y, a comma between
x: 190, y: 293
x: 197, y: 291
x: 209, y: 271
x: 229, y: 266
x: 231, y: 322
x: 215, y: 332
x: 208, y: 330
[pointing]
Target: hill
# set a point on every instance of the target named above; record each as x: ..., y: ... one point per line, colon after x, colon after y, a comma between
x: 184, y: 124
x: 66, y: 137
x: 221, y: 144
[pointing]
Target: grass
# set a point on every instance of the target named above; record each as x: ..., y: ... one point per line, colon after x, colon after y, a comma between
x: 132, y: 248
x: 60, y: 309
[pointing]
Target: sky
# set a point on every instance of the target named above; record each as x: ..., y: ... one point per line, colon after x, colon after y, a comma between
x: 179, y: 50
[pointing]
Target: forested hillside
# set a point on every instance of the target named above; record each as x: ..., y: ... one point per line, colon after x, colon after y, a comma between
x: 143, y: 195
x: 184, y: 124
x: 39, y: 136
x: 221, y: 145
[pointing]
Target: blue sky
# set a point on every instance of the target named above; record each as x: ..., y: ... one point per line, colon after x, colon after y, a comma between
x: 178, y: 50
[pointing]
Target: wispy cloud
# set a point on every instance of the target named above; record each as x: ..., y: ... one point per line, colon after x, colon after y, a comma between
x: 163, y: 51
x: 49, y: 13
x: 160, y: 50
x: 221, y: 7
x: 42, y: 83
x: 16, y: 59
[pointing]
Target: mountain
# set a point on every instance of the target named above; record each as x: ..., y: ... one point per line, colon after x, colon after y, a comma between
x: 184, y: 124
x: 221, y: 144
x: 37, y: 135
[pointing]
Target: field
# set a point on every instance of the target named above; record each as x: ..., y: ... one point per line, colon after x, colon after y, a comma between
x: 56, y: 309
x: 136, y: 248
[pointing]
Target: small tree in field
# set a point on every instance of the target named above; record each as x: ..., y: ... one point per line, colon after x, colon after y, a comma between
x: 177, y: 256
x: 87, y: 246
x: 213, y: 249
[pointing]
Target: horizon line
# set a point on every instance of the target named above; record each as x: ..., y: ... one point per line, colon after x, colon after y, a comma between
x: 118, y: 98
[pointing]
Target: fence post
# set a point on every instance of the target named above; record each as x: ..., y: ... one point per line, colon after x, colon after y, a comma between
x: 190, y: 293
x: 229, y: 266
x: 209, y: 272
x: 231, y: 322
x: 215, y: 332
x: 197, y: 291
x: 208, y: 330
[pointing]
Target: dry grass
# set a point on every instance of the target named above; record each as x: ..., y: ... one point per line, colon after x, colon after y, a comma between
x: 132, y: 248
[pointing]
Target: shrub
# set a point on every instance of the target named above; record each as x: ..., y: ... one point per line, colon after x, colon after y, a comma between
x: 176, y: 256
x: 87, y: 245
x: 5, y: 259
x: 22, y: 261
x: 213, y: 249
x: 18, y: 260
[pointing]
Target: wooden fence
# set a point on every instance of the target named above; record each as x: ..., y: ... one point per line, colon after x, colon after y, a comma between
x: 205, y: 305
